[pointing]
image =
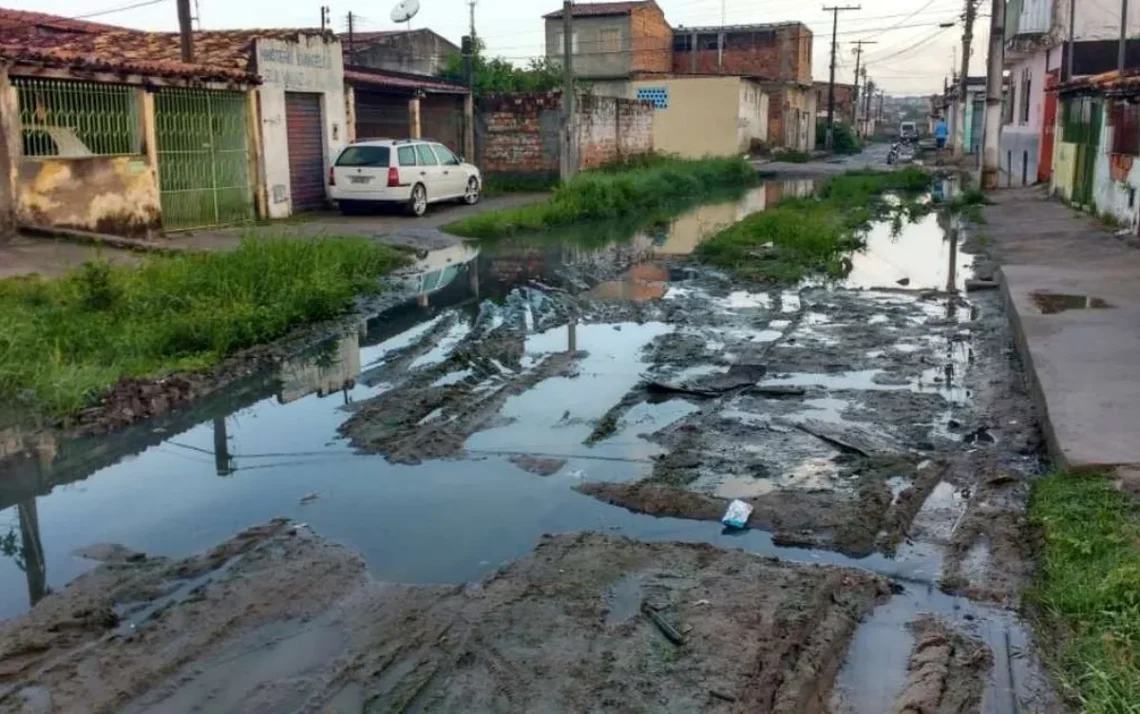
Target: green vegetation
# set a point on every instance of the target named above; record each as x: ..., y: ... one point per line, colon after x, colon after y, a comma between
x: 794, y: 157
x: 845, y: 140
x: 63, y: 342
x: 499, y: 185
x: 649, y: 187
x: 497, y: 75
x: 812, y: 235
x: 1087, y: 593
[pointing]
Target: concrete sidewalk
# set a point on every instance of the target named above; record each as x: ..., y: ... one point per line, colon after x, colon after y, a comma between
x: 1074, y: 295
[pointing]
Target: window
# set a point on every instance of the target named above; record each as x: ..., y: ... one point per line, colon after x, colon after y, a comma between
x: 573, y: 43
x: 69, y: 119
x: 364, y: 156
x: 1026, y: 85
x: 682, y: 42
x: 708, y: 41
x: 445, y: 156
x: 425, y: 156
x: 1125, y: 128
x: 609, y: 40
x: 406, y: 155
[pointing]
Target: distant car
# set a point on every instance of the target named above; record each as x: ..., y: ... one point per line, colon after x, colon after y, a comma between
x: 908, y: 130
x: 409, y: 172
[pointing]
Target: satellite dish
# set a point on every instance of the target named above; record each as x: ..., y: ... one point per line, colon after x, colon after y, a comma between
x: 405, y: 10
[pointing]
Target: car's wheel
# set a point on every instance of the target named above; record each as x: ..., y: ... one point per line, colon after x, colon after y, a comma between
x: 471, y: 194
x: 417, y: 204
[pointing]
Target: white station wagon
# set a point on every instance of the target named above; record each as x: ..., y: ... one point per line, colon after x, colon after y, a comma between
x: 410, y: 172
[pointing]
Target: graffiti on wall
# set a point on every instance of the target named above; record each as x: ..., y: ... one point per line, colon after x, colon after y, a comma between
x: 298, y: 66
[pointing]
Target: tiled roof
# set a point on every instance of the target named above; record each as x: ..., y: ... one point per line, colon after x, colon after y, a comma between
x: 66, y: 59
x: 400, y: 81
x: 23, y: 21
x: 598, y: 9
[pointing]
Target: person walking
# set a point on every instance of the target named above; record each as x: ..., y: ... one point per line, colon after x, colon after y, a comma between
x: 941, y: 132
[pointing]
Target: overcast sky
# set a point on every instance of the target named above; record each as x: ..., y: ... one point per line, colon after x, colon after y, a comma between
x: 912, y: 54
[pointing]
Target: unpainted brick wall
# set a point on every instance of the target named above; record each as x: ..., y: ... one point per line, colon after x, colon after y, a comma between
x: 519, y: 134
x: 786, y: 56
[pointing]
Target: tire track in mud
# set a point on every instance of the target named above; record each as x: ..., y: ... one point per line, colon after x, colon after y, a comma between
x: 947, y: 671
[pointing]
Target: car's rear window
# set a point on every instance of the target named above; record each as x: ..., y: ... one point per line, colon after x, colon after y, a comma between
x: 364, y: 156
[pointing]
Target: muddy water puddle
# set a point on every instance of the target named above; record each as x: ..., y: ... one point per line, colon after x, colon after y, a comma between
x: 508, y: 399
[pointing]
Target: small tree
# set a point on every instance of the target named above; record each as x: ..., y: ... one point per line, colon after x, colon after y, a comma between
x: 497, y: 75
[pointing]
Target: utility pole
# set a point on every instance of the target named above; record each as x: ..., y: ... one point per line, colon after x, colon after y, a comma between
x: 1072, y: 39
x: 351, y: 40
x: 858, y: 52
x: 868, y: 93
x: 185, y: 31
x: 963, y: 80
x: 567, y: 163
x: 834, y: 10
x: 1123, y: 36
x: 882, y: 97
x: 469, y: 51
x: 991, y: 155
x: 324, y: 18
x: 472, y: 49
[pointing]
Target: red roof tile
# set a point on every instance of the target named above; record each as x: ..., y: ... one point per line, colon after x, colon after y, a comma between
x: 65, y: 59
x: 598, y: 9
x: 22, y: 20
x: 395, y: 81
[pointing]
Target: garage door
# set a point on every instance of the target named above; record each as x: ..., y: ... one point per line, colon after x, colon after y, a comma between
x: 306, y: 151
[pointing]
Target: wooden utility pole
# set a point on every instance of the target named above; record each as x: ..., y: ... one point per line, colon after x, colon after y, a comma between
x: 324, y: 17
x: 1122, y: 51
x: 185, y: 31
x: 963, y: 81
x: 567, y: 164
x: 858, y: 51
x: 1072, y: 39
x: 991, y: 154
x: 834, y: 10
x: 351, y: 40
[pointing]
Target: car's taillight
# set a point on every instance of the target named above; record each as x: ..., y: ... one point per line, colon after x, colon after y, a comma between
x: 393, y: 177
x: 332, y: 177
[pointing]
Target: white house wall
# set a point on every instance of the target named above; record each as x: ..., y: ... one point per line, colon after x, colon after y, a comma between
x: 311, y: 65
x: 1021, y: 143
x: 1117, y: 198
x: 1097, y: 19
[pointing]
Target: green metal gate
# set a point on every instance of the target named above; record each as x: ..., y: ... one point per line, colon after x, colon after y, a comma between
x: 1081, y: 120
x: 203, y: 158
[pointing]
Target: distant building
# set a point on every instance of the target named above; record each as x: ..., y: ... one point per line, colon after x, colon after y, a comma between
x: 411, y: 51
x: 844, y: 100
x: 780, y: 52
x: 612, y: 42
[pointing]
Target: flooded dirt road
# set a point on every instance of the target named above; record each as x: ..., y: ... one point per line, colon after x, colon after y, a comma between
x: 878, y: 427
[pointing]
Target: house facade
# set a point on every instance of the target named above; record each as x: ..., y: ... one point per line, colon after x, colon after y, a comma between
x: 731, y: 111
x: 612, y: 42
x: 780, y: 52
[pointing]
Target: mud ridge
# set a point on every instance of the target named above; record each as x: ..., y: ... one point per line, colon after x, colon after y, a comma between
x: 946, y: 673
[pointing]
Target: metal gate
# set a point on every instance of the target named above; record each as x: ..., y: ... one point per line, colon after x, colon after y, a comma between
x: 1087, y: 136
x: 306, y: 151
x: 203, y: 158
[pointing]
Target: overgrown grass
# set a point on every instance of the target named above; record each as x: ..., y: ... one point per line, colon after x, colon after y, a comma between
x: 1087, y: 592
x: 813, y: 235
x: 646, y: 187
x: 65, y: 341
x: 501, y: 185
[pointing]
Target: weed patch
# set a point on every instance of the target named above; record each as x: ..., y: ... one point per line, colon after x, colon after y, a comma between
x: 651, y: 186
x: 813, y: 235
x: 1087, y: 592
x: 65, y: 341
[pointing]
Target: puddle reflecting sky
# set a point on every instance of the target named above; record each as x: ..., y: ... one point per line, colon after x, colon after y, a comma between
x: 178, y: 485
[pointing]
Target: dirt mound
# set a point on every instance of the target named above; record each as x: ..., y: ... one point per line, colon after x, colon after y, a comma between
x: 278, y: 621
x: 947, y: 671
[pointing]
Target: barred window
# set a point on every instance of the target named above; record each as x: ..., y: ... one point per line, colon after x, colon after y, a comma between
x: 70, y: 119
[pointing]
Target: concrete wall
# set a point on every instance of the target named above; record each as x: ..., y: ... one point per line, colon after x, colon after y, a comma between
x: 1064, y: 167
x: 644, y: 44
x: 117, y: 195
x: 416, y: 52
x: 752, y: 119
x: 1116, y: 181
x: 313, y: 64
x: 703, y: 116
x: 519, y: 134
x: 1020, y: 142
x: 610, y: 129
x: 589, y: 59
x: 1096, y: 20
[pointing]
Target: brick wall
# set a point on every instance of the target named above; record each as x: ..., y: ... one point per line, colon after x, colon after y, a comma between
x: 518, y: 134
x: 780, y: 52
x: 651, y: 40
x: 610, y: 129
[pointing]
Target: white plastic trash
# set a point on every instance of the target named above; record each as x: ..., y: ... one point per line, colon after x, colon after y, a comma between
x: 737, y: 514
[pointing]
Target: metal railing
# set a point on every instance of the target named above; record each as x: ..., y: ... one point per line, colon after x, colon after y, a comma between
x: 71, y: 119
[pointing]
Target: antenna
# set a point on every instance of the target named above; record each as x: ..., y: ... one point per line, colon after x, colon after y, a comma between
x: 405, y: 10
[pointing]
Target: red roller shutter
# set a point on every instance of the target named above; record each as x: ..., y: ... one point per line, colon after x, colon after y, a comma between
x: 306, y: 151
